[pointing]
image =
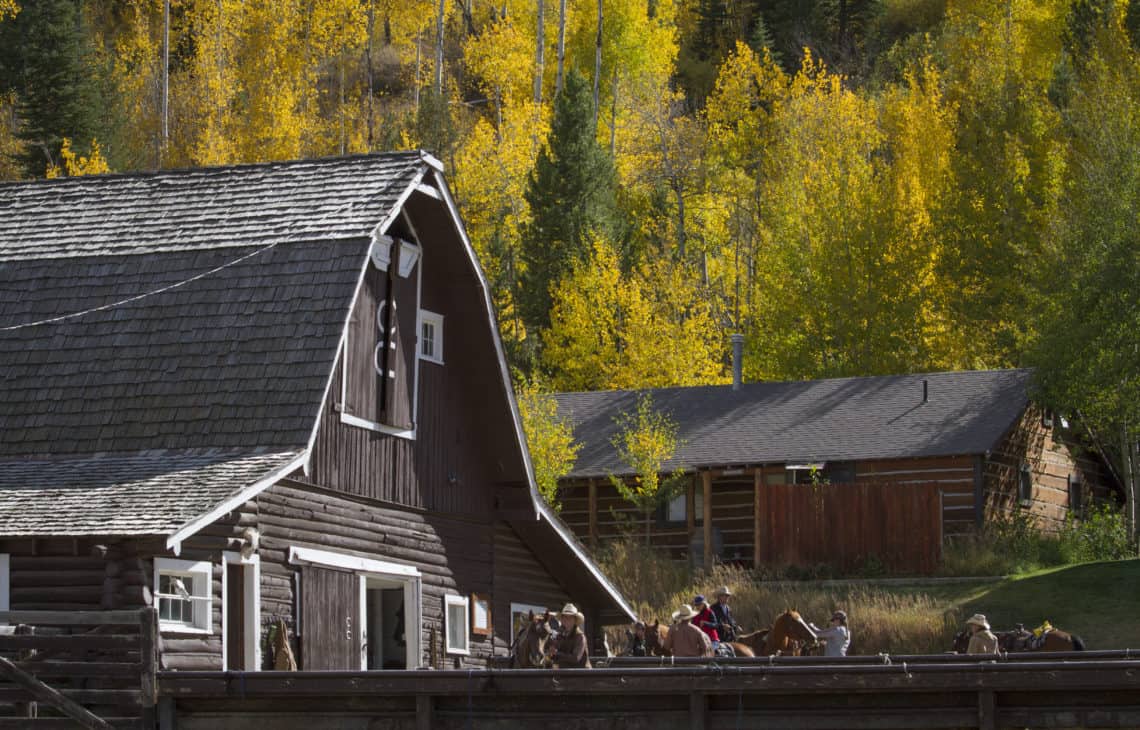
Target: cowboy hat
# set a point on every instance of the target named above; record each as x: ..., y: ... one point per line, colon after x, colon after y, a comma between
x: 841, y: 615
x: 684, y: 613
x: 978, y: 620
x: 723, y: 591
x: 571, y: 610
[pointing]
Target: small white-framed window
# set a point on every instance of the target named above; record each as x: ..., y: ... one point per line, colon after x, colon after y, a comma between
x: 677, y: 508
x: 519, y: 614
x: 184, y: 596
x: 431, y: 336
x: 457, y: 624
x: 1025, y: 485
x: 5, y: 583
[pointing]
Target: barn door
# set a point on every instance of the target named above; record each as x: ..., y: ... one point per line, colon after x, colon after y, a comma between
x: 236, y: 616
x: 331, y: 619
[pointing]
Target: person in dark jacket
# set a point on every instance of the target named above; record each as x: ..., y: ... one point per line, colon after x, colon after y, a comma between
x: 705, y: 620
x: 572, y: 649
x: 726, y: 624
x: 637, y: 640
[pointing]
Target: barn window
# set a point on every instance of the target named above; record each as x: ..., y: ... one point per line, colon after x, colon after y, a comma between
x: 431, y: 336
x: 457, y: 624
x: 1025, y: 485
x: 1075, y: 494
x: 182, y: 591
x: 5, y: 604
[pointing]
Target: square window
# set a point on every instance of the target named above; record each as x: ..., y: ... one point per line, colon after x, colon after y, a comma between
x: 519, y: 614
x: 1025, y: 485
x: 675, y: 512
x: 1075, y: 494
x: 457, y: 626
x: 431, y: 336
x: 183, y: 595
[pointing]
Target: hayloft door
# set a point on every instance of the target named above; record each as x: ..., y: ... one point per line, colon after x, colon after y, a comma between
x: 331, y: 619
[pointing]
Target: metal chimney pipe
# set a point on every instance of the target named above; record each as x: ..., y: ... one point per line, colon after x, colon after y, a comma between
x: 737, y: 360
x: 925, y: 390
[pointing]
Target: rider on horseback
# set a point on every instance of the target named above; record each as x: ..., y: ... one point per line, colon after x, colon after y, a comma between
x: 726, y: 624
x: 570, y: 650
x: 982, y: 640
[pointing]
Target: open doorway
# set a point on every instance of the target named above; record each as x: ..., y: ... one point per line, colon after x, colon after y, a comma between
x: 385, y: 625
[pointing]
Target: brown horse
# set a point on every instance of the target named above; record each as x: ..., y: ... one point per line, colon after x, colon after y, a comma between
x: 788, y: 636
x: 529, y: 649
x: 656, y: 632
x: 1021, y: 639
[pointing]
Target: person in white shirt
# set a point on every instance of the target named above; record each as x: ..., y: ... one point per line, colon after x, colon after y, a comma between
x: 837, y: 637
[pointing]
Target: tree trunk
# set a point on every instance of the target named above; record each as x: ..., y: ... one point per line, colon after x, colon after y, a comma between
x: 1128, y: 453
x: 539, y: 50
x: 648, y: 522
x: 561, y: 46
x: 368, y: 68
x: 597, y: 63
x: 613, y: 116
x: 439, y: 49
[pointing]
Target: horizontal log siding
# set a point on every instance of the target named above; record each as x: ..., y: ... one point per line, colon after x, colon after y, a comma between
x: 617, y: 517
x: 954, y: 475
x: 519, y: 578
x: 1053, y: 456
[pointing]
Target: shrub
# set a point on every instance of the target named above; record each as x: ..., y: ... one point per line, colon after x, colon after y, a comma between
x: 1100, y: 534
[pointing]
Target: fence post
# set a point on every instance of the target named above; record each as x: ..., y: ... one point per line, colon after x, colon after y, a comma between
x: 148, y: 656
x: 987, y: 710
x: 698, y: 711
x: 424, y: 712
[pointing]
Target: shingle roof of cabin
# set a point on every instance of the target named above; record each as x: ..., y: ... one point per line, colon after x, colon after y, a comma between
x: 809, y: 421
x: 191, y: 313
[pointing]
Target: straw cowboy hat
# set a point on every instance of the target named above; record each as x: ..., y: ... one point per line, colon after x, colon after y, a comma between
x: 684, y: 613
x: 723, y: 591
x: 571, y: 610
x: 978, y: 620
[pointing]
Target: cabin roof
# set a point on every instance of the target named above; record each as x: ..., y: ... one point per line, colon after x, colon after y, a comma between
x: 840, y: 419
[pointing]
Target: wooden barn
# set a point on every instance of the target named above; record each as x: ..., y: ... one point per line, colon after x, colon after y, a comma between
x: 270, y: 397
x: 848, y: 472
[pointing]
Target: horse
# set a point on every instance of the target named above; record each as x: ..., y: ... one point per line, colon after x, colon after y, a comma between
x: 656, y: 632
x: 1021, y: 639
x: 529, y: 649
x: 788, y: 636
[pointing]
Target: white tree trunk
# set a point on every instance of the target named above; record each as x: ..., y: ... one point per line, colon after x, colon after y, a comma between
x: 597, y: 63
x: 561, y: 46
x: 539, y: 50
x: 439, y: 49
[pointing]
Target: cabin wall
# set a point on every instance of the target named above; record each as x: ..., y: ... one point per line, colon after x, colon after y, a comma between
x: 953, y: 474
x: 1054, y: 456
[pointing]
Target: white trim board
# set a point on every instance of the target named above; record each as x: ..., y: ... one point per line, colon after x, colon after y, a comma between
x: 355, y: 563
x: 5, y: 583
x: 174, y: 542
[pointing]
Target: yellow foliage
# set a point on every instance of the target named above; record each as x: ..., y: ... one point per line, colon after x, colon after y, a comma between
x: 549, y: 439
x: 10, y: 144
x: 75, y: 165
x: 8, y: 9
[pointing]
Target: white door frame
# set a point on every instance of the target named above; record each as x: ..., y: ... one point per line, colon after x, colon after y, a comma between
x: 252, y: 601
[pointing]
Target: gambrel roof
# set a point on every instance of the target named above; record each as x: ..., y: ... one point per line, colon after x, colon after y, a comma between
x: 837, y: 419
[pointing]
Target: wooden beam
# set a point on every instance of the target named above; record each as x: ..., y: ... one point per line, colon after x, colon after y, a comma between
x: 706, y: 482
x: 593, y: 509
x: 758, y: 485
x: 43, y: 693
x: 148, y: 659
x: 70, y: 618
x: 987, y: 710
x: 690, y: 511
x: 698, y: 711
x: 424, y: 707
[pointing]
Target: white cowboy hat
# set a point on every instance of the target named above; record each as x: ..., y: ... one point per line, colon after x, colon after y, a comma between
x: 723, y: 591
x: 571, y: 610
x: 684, y: 613
x: 978, y: 620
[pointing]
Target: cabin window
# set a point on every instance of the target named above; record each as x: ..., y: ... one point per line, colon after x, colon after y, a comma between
x: 520, y: 612
x: 677, y: 508
x: 5, y: 581
x: 1025, y: 485
x: 1075, y: 494
x: 431, y: 336
x: 832, y: 472
x: 457, y: 620
x: 182, y: 591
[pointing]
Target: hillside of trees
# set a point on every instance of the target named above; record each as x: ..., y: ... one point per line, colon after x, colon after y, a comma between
x: 858, y: 186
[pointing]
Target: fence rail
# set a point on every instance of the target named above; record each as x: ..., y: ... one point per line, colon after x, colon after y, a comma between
x: 89, y: 669
x: 963, y: 693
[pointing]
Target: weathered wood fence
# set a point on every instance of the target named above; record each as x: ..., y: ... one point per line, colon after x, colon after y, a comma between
x: 87, y: 669
x: 848, y: 526
x: 964, y: 692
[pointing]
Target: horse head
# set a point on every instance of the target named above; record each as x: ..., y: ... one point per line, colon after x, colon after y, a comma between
x: 655, y: 639
x: 796, y: 628
x: 529, y: 650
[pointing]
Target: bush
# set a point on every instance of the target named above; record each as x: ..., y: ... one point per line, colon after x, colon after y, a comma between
x: 1100, y: 534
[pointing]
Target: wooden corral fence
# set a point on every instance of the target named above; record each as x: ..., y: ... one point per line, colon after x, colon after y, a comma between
x: 848, y: 526
x: 963, y: 692
x: 85, y: 669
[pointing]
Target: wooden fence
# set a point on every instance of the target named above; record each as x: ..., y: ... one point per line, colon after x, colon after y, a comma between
x: 88, y: 669
x: 886, y: 692
x: 851, y: 526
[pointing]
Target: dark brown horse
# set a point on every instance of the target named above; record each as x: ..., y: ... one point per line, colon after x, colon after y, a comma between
x: 529, y: 649
x: 1021, y: 639
x: 789, y: 636
x: 656, y: 632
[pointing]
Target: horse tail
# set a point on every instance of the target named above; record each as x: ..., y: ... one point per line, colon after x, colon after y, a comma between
x: 1078, y: 643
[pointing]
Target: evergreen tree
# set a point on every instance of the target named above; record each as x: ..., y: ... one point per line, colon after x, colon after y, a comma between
x: 571, y: 193
x: 46, y: 59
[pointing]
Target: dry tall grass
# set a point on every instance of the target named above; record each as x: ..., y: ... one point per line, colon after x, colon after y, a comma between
x: 880, y: 620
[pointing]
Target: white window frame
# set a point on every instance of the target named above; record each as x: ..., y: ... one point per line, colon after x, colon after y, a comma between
x: 523, y: 608
x: 451, y: 600
x: 251, y: 589
x: 203, y: 598
x: 436, y: 321
x: 683, y: 498
x: 5, y: 584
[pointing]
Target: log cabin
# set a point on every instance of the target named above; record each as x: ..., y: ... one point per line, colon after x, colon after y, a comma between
x: 270, y: 398
x: 850, y: 472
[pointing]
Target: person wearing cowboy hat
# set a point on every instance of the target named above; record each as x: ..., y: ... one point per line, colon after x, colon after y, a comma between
x: 571, y: 650
x: 836, y: 637
x: 726, y: 624
x: 705, y: 619
x: 684, y: 638
x: 982, y: 640
x: 637, y: 640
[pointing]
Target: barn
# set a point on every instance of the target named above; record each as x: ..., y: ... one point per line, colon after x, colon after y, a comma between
x: 847, y: 472
x: 271, y: 402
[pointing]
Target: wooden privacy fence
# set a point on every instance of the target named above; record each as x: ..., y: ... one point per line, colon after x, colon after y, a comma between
x: 87, y: 669
x: 851, y: 526
x: 971, y: 693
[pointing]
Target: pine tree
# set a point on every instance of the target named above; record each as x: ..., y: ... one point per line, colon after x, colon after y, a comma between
x: 46, y: 59
x: 571, y: 193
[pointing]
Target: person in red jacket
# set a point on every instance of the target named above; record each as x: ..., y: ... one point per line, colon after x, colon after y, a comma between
x: 705, y: 620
